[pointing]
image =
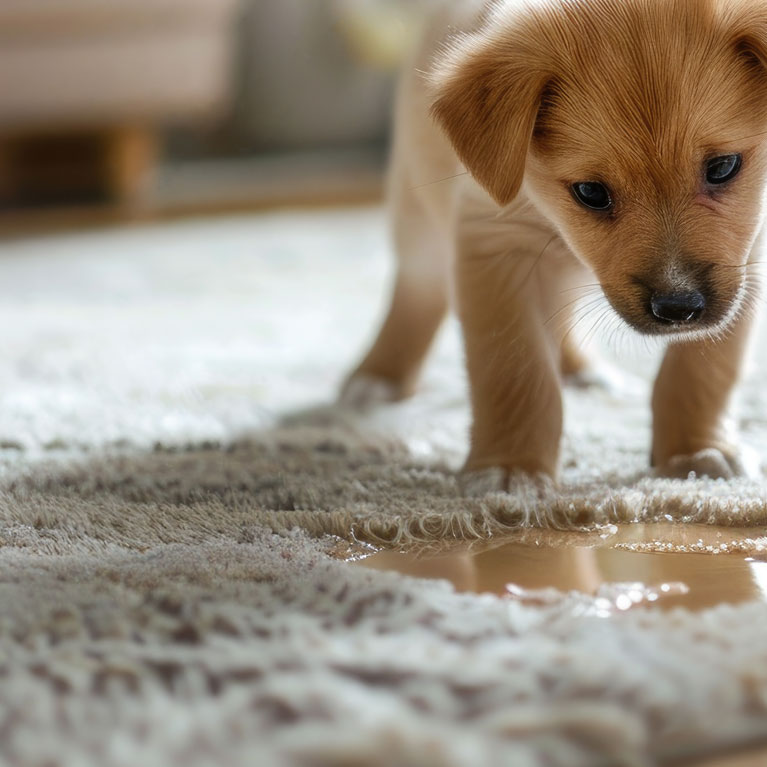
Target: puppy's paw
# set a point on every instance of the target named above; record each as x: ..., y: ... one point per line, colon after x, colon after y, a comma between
x: 363, y: 391
x: 480, y: 482
x: 713, y: 463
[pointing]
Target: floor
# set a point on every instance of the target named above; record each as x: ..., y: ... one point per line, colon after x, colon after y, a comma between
x: 186, y: 189
x: 701, y: 566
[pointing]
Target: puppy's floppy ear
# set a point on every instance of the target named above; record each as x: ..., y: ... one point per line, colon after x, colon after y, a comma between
x: 751, y: 41
x: 487, y: 101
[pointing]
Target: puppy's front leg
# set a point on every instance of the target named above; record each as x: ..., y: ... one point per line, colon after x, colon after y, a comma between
x: 513, y: 362
x: 691, y: 429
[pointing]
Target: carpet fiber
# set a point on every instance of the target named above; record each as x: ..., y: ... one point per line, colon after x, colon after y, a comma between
x: 173, y: 497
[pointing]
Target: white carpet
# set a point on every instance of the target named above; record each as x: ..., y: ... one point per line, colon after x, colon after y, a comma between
x: 150, y: 615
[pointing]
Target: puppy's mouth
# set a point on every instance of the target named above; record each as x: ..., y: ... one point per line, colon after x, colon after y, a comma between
x: 686, y: 313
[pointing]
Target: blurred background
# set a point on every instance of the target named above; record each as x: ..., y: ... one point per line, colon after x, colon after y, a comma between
x: 152, y: 108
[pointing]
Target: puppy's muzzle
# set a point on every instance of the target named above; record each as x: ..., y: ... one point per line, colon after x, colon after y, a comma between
x: 678, y: 308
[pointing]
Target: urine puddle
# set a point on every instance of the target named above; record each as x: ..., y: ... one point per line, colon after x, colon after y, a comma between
x: 659, y: 566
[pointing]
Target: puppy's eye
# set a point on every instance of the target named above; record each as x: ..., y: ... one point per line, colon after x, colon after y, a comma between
x: 592, y: 195
x: 721, y: 169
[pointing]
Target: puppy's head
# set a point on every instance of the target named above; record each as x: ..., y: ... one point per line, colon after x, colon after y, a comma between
x: 639, y: 127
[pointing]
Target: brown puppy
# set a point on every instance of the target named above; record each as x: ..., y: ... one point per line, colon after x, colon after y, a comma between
x: 619, y: 139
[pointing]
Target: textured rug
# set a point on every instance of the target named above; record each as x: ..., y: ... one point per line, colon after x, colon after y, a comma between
x: 174, y: 495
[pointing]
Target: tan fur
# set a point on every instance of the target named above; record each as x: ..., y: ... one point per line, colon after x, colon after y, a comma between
x: 529, y: 97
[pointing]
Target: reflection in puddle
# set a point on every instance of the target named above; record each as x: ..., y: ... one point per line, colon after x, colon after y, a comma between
x: 610, y: 598
x: 638, y: 565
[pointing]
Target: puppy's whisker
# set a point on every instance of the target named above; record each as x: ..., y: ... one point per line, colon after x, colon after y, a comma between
x: 438, y: 181
x: 617, y: 334
x: 536, y: 262
x: 590, y: 286
x: 742, y: 266
x: 592, y: 331
x: 589, y: 337
x: 582, y: 315
x: 581, y: 312
x: 567, y: 306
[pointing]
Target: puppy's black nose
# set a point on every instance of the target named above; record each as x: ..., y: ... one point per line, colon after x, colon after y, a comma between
x: 678, y: 307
